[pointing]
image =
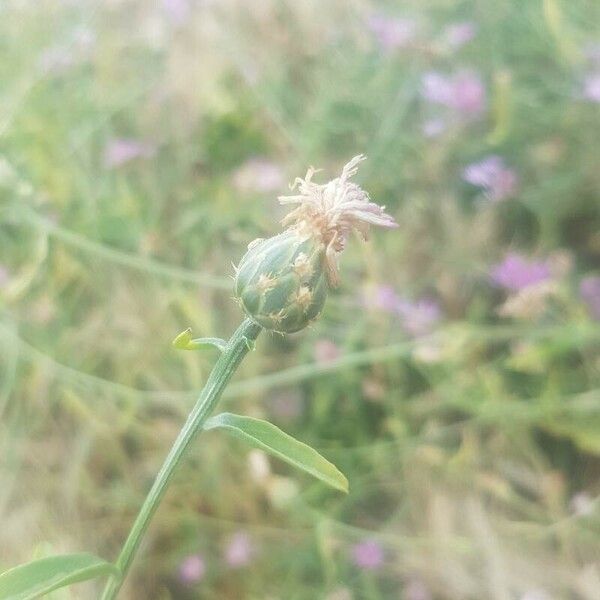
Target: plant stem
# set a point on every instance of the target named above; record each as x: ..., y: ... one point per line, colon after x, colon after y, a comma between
x: 235, y: 350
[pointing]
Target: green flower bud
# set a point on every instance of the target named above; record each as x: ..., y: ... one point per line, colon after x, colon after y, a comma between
x: 280, y: 282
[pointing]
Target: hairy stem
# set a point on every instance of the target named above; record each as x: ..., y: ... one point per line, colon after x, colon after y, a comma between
x: 235, y: 350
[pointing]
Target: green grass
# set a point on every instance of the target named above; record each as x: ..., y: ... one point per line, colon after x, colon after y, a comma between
x: 466, y: 449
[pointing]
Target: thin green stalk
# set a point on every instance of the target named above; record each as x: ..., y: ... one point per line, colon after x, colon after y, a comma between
x: 235, y: 350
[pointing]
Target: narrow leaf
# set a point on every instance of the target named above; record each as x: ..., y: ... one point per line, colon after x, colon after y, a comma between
x: 35, y: 579
x: 184, y: 341
x: 267, y: 437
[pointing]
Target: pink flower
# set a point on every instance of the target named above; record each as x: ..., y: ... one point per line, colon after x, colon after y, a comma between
x: 119, y: 152
x: 239, y: 550
x: 516, y: 272
x: 462, y: 92
x: 437, y: 88
x: 456, y: 35
x: 384, y: 298
x: 468, y: 93
x: 368, y: 555
x: 419, y: 317
x: 589, y: 289
x: 392, y: 33
x: 192, y: 569
x: 326, y: 351
x: 493, y: 176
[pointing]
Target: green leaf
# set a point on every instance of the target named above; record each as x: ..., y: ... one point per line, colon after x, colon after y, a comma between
x: 41, y: 577
x: 267, y: 437
x: 184, y: 341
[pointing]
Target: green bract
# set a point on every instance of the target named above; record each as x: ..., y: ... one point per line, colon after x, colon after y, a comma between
x: 281, y: 283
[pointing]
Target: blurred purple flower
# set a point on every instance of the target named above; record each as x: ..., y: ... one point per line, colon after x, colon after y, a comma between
x: 433, y: 127
x: 437, y: 88
x: 326, y: 351
x: 176, y: 10
x: 392, y: 33
x: 259, y: 175
x: 492, y: 175
x: 458, y: 34
x: 192, y: 569
x: 591, y: 87
x: 419, y: 317
x: 516, y: 272
x: 468, y: 93
x: 239, y: 550
x: 589, y: 289
x: 122, y: 150
x: 384, y: 298
x: 463, y: 92
x: 368, y: 555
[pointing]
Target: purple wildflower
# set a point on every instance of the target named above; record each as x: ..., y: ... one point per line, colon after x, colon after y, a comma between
x: 468, y: 93
x: 239, y: 550
x: 383, y: 298
x: 326, y: 351
x: 589, y: 289
x: 419, y: 316
x: 462, y: 92
x: 492, y: 175
x: 591, y: 87
x: 392, y: 33
x: 368, y: 555
x: 122, y: 150
x: 456, y: 35
x: 437, y: 88
x: 192, y: 569
x: 516, y: 272
x: 259, y: 174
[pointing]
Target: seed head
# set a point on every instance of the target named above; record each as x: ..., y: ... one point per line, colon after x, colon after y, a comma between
x: 329, y: 212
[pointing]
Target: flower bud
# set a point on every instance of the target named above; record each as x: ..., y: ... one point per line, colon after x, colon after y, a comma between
x: 280, y: 282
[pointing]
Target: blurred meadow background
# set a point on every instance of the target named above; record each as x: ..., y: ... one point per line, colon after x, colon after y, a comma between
x: 455, y: 374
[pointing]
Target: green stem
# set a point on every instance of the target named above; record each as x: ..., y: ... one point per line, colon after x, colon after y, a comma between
x: 235, y: 350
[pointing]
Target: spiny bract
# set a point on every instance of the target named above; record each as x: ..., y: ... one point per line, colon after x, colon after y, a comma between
x: 280, y: 282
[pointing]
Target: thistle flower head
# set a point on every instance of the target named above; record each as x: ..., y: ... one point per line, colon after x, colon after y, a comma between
x: 282, y: 282
x: 329, y: 212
